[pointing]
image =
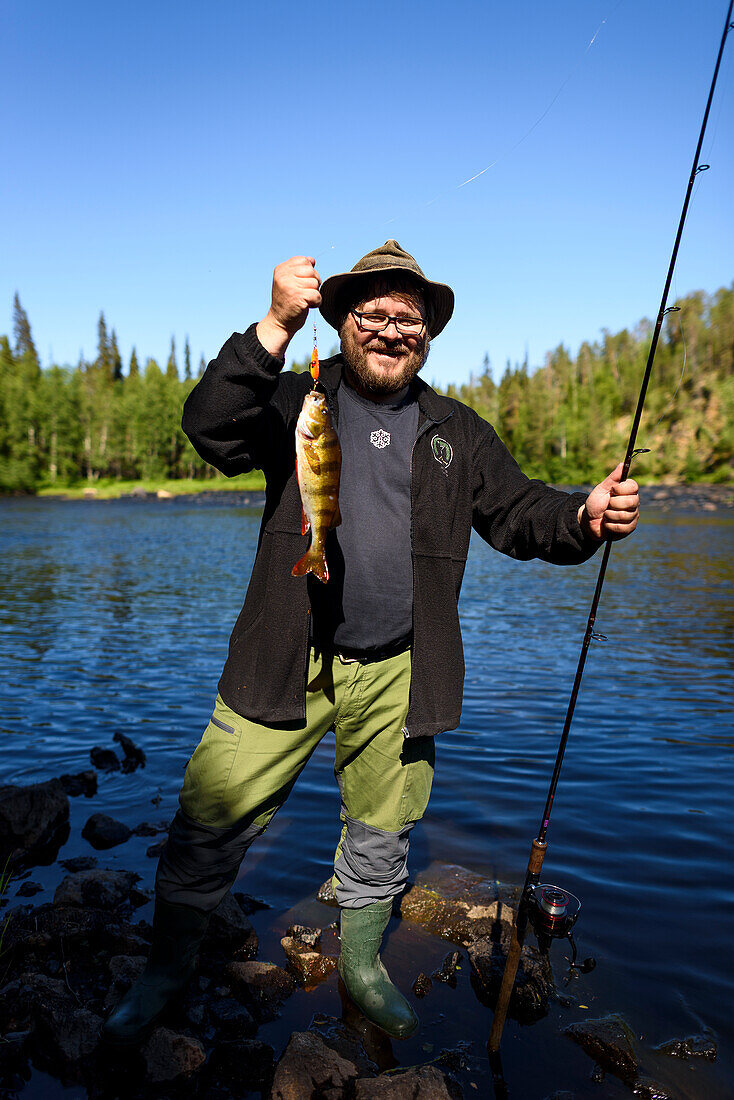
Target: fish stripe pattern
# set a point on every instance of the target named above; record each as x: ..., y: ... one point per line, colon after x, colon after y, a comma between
x: 318, y: 468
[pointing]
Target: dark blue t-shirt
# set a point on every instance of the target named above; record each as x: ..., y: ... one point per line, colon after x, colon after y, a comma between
x: 368, y: 600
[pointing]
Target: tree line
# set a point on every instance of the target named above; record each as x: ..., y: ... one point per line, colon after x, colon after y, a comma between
x: 569, y: 420
x: 563, y: 422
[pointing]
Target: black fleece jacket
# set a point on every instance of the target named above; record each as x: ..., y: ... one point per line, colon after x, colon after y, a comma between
x: 242, y: 415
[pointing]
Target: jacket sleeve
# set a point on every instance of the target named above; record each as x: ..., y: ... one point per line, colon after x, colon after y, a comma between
x: 523, y: 517
x: 238, y: 414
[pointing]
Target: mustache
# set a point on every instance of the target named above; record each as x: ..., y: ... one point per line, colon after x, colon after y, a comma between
x: 389, y: 348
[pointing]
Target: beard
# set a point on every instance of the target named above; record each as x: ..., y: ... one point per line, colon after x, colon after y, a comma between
x: 408, y: 361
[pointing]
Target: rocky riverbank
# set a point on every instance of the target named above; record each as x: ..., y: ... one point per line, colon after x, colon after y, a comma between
x: 64, y: 964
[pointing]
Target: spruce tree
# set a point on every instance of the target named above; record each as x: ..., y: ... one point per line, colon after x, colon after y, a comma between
x: 22, y: 331
x: 115, y: 358
x: 103, y: 361
x: 134, y: 369
x: 187, y: 360
x: 171, y: 366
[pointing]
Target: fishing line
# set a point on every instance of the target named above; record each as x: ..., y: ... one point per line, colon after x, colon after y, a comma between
x: 675, y: 309
x: 502, y: 156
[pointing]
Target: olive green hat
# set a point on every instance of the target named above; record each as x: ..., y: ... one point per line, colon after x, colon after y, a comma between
x: 391, y: 257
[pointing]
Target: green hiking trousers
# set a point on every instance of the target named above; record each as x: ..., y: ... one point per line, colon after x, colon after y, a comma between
x: 242, y: 772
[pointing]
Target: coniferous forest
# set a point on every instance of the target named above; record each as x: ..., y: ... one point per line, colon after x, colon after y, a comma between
x: 565, y: 422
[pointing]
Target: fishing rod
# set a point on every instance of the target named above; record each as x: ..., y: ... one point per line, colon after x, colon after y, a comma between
x: 550, y: 909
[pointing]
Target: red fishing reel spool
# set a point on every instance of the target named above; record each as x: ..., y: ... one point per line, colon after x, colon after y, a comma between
x: 553, y: 910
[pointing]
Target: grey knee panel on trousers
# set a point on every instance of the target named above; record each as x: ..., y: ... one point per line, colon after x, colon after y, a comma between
x: 199, y: 863
x: 372, y: 864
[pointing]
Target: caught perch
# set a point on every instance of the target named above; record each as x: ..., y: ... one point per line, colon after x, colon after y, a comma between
x: 318, y: 466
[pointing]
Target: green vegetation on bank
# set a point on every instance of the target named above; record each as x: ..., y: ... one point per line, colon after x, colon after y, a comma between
x: 108, y: 488
x: 570, y: 420
x: 64, y: 429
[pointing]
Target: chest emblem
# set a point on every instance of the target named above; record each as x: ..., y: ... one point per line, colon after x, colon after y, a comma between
x: 443, y: 452
x: 380, y: 439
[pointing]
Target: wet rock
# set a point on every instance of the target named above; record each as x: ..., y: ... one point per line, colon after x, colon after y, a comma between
x: 610, y: 1041
x: 232, y: 1020
x: 150, y: 828
x: 245, y: 1064
x: 99, y: 889
x: 124, y: 970
x: 646, y: 1088
x: 169, y: 1056
x: 308, y: 1067
x: 34, y: 822
x: 422, y: 985
x: 447, y: 970
x: 134, y: 757
x: 307, y: 937
x: 157, y: 848
x: 302, y: 947
x: 533, y: 986
x: 457, y: 904
x: 230, y: 931
x: 326, y: 894
x: 28, y: 889
x: 79, y: 863
x: 248, y: 904
x: 262, y: 986
x: 105, y: 760
x: 15, y: 1051
x: 65, y: 1031
x: 346, y: 1042
x: 83, y: 783
x: 419, y: 1083
x: 103, y: 831
x: 693, y: 1046
x: 34, y: 931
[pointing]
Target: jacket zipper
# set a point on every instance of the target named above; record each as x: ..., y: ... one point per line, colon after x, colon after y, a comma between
x: 425, y: 426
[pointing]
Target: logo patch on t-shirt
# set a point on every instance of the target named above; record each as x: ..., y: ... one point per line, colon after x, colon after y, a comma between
x: 442, y: 451
x: 380, y: 438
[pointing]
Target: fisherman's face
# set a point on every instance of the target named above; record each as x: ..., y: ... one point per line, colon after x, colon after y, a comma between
x: 380, y: 364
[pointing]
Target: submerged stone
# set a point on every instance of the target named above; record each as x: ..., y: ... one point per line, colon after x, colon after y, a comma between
x: 458, y: 904
x: 533, y: 986
x: 610, y: 1041
x: 103, y: 831
x: 693, y: 1046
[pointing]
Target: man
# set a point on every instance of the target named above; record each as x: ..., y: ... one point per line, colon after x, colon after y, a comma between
x: 375, y: 654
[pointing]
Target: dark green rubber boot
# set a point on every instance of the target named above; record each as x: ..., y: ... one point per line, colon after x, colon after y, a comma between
x: 367, y: 981
x: 177, y: 934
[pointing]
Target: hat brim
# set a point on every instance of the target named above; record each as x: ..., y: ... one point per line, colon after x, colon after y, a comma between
x: 440, y: 296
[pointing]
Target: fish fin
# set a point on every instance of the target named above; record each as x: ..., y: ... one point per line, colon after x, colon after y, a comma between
x: 337, y: 517
x: 312, y: 456
x: 313, y: 561
x: 305, y: 523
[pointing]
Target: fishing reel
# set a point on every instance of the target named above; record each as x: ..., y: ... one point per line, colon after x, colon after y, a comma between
x: 553, y: 912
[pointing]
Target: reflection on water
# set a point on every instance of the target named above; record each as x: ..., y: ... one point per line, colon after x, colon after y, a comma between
x: 115, y: 616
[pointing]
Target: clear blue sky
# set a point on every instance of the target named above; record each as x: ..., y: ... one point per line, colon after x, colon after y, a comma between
x: 161, y: 158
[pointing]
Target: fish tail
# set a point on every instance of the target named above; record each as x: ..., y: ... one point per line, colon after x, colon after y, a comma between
x: 313, y: 561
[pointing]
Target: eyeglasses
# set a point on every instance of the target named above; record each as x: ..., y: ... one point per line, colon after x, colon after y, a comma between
x: 378, y: 322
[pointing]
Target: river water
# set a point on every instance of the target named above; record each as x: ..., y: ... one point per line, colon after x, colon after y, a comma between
x: 115, y: 616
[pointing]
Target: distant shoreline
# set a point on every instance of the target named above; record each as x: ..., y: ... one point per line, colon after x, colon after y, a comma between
x: 699, y: 496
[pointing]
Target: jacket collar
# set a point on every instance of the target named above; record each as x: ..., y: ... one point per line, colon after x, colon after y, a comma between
x: 433, y: 406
